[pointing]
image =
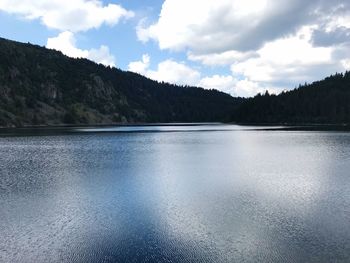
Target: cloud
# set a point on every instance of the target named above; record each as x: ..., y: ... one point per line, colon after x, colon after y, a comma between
x: 66, y: 43
x: 168, y: 71
x: 67, y: 15
x: 102, y: 55
x: 288, y: 61
x: 325, y: 38
x: 235, y: 86
x: 175, y: 72
x: 247, y: 88
x: 224, y: 83
x: 346, y: 63
x: 140, y: 67
x: 217, y: 26
x: 278, y: 65
x: 221, y: 59
x: 179, y: 73
x: 268, y: 44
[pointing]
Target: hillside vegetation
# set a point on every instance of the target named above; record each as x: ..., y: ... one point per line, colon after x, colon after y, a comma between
x: 322, y: 102
x: 44, y: 87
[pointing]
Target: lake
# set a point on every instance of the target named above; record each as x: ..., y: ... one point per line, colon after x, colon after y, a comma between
x: 193, y: 193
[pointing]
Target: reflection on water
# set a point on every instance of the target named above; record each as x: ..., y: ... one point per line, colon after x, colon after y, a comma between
x: 223, y: 194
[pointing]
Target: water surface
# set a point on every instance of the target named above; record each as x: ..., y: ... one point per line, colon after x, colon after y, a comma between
x: 207, y: 193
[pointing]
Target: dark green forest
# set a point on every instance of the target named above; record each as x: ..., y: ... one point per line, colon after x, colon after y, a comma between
x: 44, y: 87
x: 322, y: 102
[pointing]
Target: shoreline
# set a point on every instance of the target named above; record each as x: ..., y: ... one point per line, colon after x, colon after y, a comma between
x: 50, y: 130
x: 258, y: 124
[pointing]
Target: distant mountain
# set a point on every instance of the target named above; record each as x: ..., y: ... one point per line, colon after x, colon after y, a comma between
x: 44, y: 87
x: 322, y: 102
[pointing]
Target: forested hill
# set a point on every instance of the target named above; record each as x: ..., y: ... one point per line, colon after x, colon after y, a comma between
x: 322, y: 102
x: 43, y: 87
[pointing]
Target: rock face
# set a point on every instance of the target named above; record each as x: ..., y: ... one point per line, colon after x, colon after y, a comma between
x: 43, y: 87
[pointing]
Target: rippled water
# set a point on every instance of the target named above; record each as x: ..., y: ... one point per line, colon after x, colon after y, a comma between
x: 198, y: 193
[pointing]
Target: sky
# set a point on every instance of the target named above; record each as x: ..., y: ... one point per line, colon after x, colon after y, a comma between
x: 238, y: 47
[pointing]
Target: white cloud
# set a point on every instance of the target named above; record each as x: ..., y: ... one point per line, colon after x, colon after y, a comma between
x: 168, y: 71
x: 216, y: 26
x: 290, y: 58
x: 268, y: 44
x: 140, y: 67
x: 224, y: 83
x: 221, y: 59
x: 102, y: 55
x: 67, y: 15
x: 278, y: 65
x: 175, y: 72
x: 66, y: 43
x: 179, y: 73
x: 234, y: 86
x: 346, y: 63
x: 295, y: 49
x: 247, y: 88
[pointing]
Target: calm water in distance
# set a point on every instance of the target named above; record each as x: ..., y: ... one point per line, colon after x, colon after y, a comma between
x: 208, y: 193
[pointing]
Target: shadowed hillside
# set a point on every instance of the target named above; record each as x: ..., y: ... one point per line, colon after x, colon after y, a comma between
x: 43, y: 87
x: 322, y: 102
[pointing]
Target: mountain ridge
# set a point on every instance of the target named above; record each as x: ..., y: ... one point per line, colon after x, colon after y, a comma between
x: 43, y: 87
x: 325, y: 101
x: 39, y: 86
